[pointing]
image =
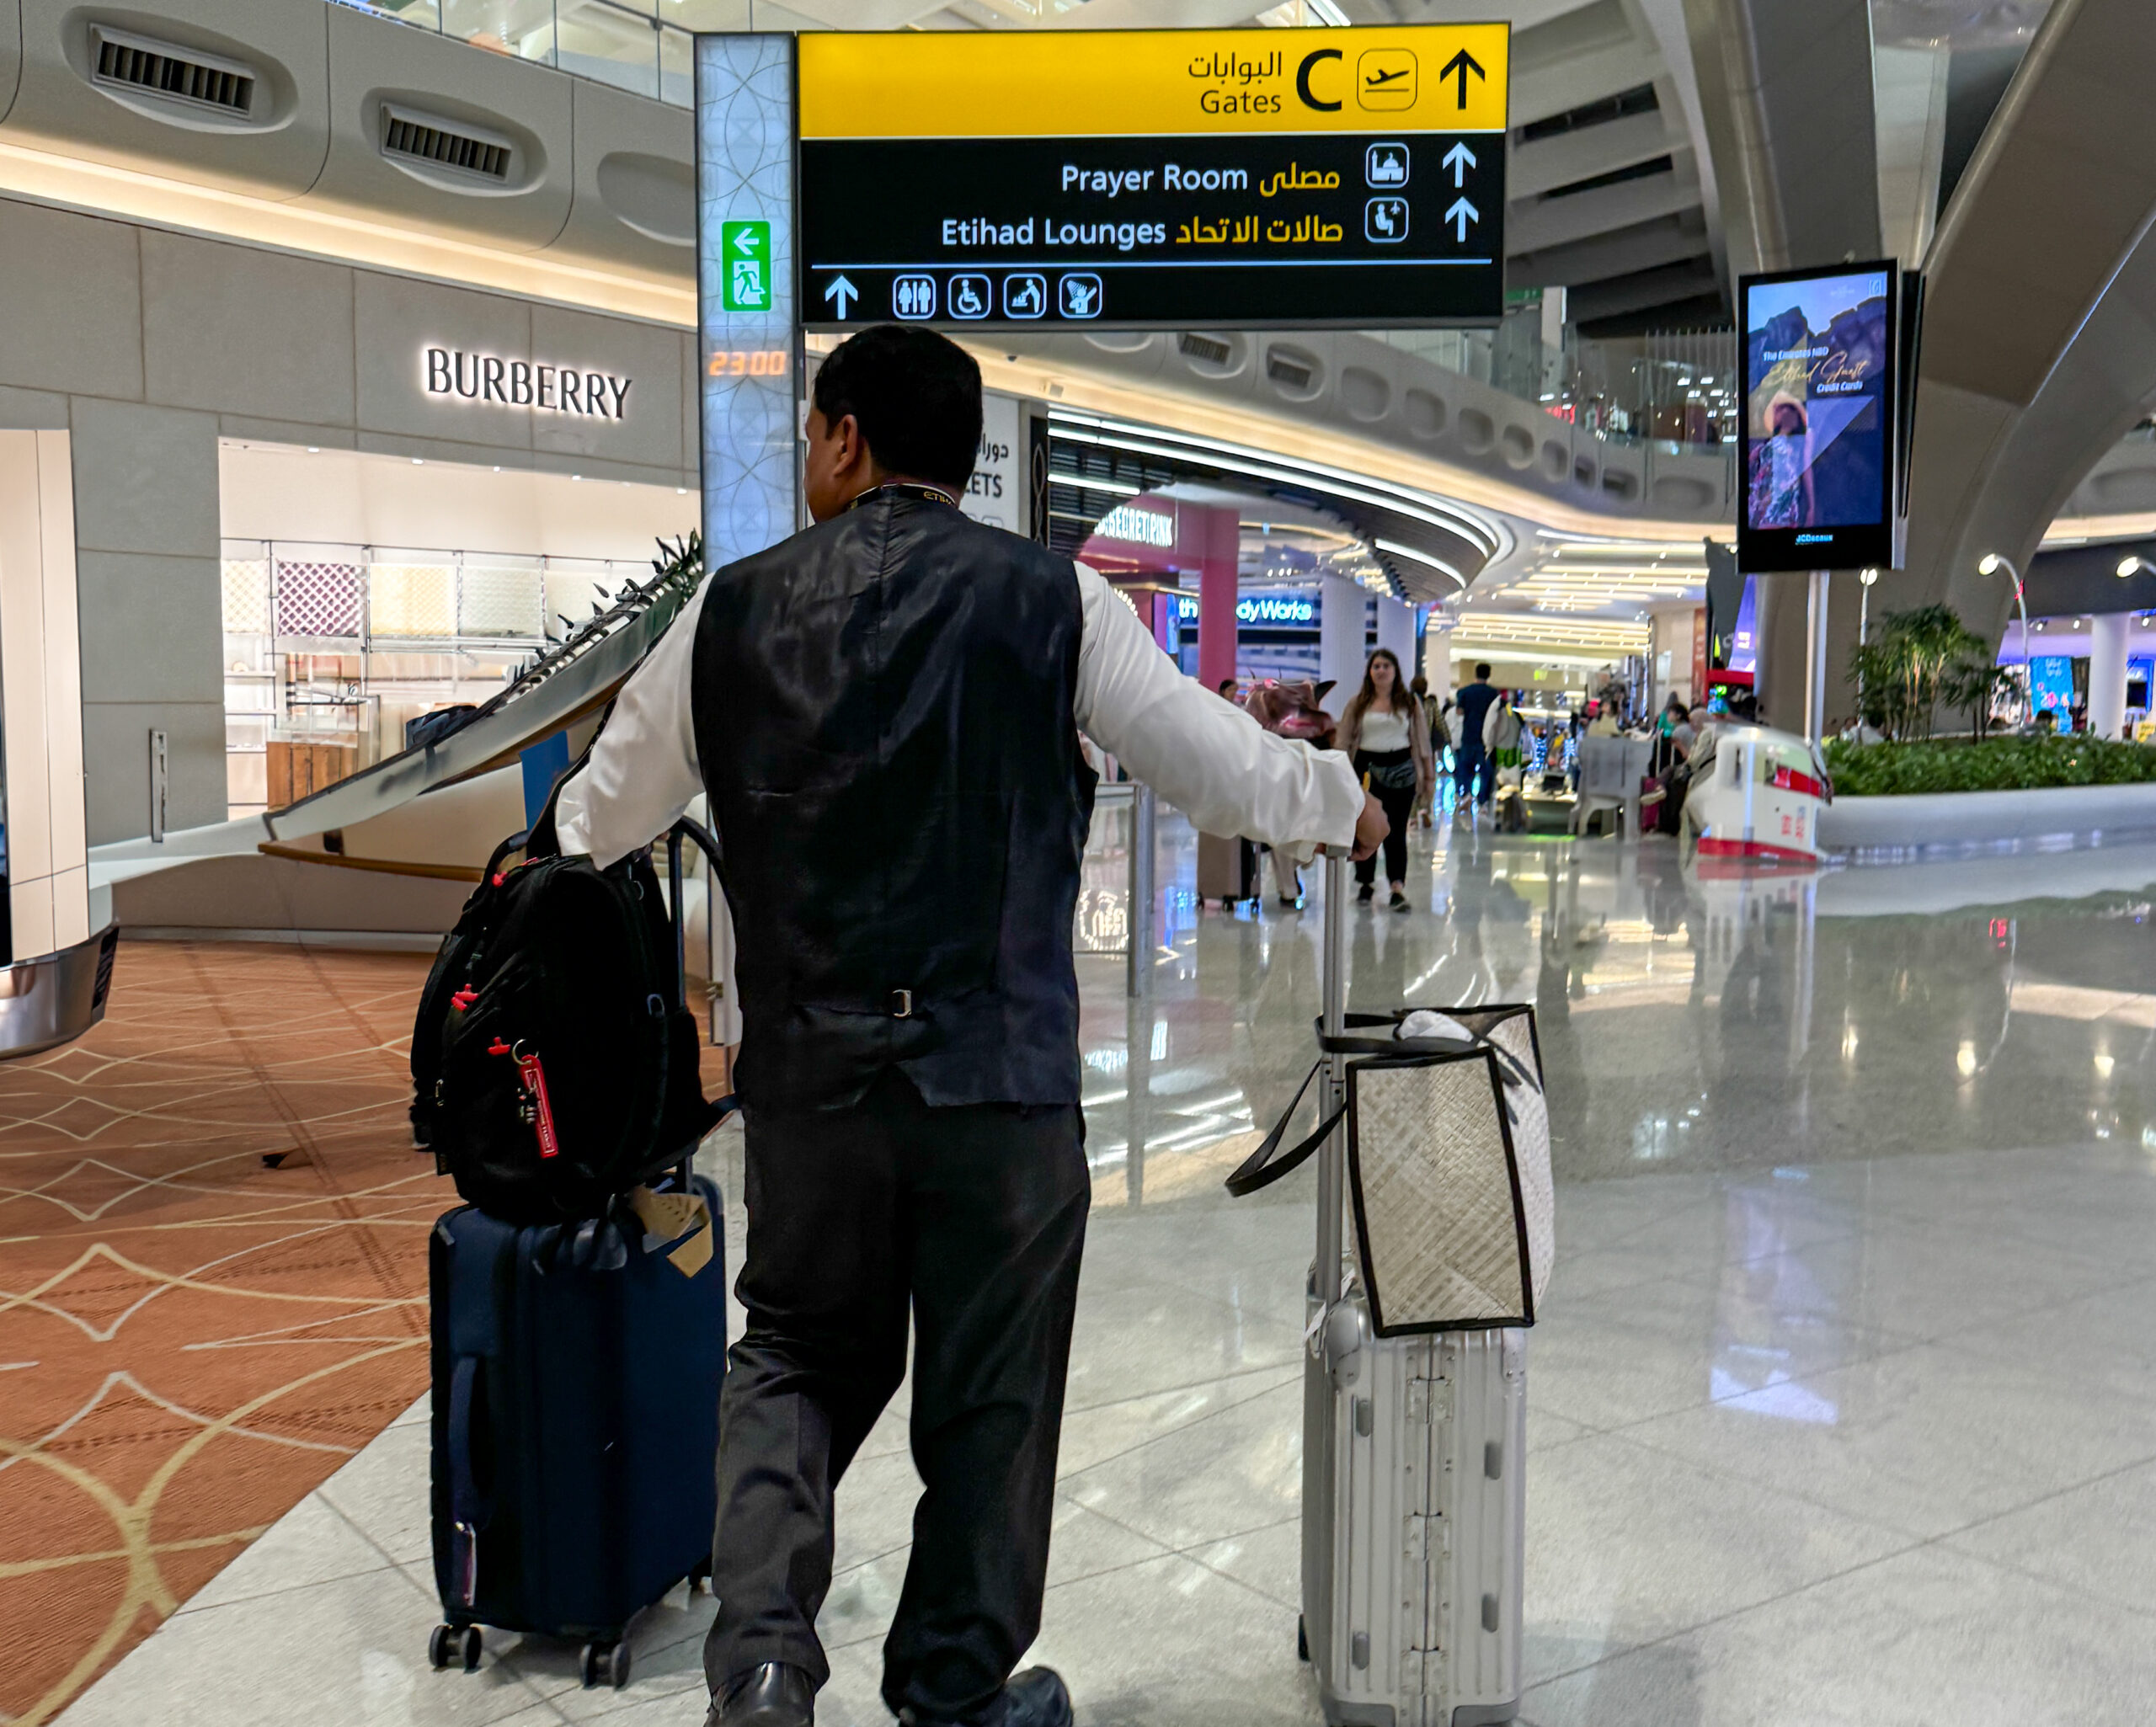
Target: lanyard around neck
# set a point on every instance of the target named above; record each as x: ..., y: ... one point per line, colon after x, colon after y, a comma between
x: 905, y: 489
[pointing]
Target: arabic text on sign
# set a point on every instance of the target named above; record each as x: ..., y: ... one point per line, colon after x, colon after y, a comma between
x: 1295, y: 178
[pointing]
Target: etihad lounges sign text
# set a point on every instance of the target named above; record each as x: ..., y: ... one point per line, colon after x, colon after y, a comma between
x: 544, y: 388
x: 1155, y: 178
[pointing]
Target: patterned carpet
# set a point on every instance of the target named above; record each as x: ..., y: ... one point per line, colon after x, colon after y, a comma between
x: 191, y: 1340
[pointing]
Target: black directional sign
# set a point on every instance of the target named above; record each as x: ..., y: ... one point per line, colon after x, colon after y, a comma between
x: 1347, y: 177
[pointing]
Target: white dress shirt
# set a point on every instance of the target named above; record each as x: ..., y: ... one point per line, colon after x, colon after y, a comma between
x: 1204, y: 755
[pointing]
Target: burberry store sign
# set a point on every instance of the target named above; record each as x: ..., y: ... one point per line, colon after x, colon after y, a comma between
x: 520, y: 383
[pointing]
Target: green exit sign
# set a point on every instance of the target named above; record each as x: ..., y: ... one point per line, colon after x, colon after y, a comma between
x: 745, y: 253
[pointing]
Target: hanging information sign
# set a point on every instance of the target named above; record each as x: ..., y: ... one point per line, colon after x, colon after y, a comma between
x: 1175, y: 179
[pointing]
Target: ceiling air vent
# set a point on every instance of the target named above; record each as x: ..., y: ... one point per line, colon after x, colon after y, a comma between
x: 1209, y: 348
x: 450, y: 146
x: 1283, y: 369
x: 152, y: 68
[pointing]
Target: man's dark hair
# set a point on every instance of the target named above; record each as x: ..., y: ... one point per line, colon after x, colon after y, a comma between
x: 1481, y: 670
x: 915, y: 396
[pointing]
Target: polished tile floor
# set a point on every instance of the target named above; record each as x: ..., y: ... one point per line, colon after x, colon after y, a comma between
x: 1842, y: 1409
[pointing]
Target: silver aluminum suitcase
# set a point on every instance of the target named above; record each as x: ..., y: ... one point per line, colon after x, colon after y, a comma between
x: 1414, y: 1517
x: 1414, y: 1488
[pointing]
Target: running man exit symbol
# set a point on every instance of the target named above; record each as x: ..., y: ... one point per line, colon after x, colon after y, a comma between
x: 745, y: 251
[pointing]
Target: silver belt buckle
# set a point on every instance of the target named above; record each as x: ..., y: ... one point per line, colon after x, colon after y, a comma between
x: 902, y: 1004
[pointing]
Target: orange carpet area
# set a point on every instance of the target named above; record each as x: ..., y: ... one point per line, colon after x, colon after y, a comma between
x: 191, y: 1340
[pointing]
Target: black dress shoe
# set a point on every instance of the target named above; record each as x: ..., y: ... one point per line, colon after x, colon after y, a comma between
x: 773, y: 1695
x: 1036, y: 1697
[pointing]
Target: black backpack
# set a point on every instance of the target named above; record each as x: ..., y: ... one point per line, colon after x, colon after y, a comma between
x: 553, y: 1059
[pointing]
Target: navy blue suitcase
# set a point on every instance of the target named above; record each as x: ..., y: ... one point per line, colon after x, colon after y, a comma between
x: 576, y: 1381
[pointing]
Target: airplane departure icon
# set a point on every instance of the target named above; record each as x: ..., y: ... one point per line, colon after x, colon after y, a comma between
x: 1385, y: 78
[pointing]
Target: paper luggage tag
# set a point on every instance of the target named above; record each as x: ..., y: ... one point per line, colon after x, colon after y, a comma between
x: 670, y: 1216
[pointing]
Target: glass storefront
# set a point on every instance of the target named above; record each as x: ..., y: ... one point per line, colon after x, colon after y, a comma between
x: 330, y: 650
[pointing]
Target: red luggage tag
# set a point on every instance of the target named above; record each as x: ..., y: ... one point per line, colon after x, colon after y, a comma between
x: 542, y: 1112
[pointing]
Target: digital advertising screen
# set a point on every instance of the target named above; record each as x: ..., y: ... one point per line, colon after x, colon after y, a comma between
x: 1818, y: 439
x: 2051, y: 675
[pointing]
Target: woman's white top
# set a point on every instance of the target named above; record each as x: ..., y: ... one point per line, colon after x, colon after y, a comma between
x: 1382, y: 732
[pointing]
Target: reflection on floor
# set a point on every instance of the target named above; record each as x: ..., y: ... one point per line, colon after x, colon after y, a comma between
x: 1843, y: 1408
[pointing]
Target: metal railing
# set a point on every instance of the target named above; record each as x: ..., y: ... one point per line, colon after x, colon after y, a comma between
x: 1675, y: 389
x: 641, y: 45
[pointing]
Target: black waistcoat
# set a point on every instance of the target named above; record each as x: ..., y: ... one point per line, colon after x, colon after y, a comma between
x: 883, y: 712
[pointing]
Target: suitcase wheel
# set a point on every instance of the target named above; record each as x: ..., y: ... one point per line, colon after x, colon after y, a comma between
x: 1302, y: 1640
x: 606, y: 1664
x: 454, y: 1643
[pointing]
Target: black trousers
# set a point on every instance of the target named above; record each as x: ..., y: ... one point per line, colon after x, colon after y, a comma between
x: 1398, y: 806
x: 975, y: 1218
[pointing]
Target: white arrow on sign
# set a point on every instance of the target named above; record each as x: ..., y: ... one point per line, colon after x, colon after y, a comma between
x: 1462, y: 213
x: 1459, y: 158
x: 747, y: 239
x: 841, y: 290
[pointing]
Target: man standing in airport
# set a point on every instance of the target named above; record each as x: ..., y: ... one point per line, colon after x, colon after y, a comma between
x: 1471, y: 761
x: 885, y: 711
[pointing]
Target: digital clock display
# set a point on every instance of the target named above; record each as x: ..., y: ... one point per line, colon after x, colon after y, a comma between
x: 747, y: 363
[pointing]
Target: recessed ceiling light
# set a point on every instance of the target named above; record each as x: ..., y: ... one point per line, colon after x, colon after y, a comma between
x: 418, y: 461
x: 314, y: 450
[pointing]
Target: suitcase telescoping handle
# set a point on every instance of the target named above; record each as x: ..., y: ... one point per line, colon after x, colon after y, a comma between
x: 1332, y: 1163
x: 707, y: 843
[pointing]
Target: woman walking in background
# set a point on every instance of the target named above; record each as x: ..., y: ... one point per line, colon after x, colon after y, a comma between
x: 1439, y: 734
x: 1384, y: 736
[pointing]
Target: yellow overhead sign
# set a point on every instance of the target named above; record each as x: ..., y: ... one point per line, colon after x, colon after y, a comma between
x: 1154, y: 83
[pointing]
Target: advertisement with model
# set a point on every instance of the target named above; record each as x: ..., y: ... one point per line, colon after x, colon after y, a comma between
x: 1819, y: 443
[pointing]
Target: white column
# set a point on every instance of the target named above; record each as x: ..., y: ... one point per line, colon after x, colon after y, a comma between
x: 1340, y: 655
x: 41, y: 670
x: 2107, y: 642
x: 1396, y: 631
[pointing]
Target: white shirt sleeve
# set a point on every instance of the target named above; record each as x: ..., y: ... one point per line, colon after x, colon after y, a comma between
x: 1206, y: 756
x: 644, y: 770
